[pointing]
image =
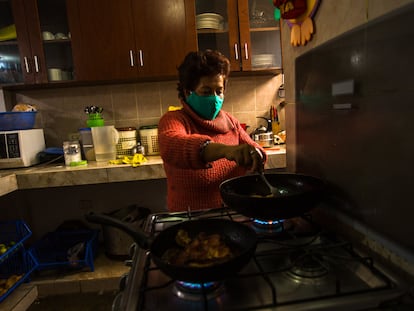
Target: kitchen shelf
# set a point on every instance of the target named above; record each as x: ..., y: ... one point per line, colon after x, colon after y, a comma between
x: 264, y: 29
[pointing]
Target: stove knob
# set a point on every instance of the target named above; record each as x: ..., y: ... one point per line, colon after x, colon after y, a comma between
x: 123, y: 281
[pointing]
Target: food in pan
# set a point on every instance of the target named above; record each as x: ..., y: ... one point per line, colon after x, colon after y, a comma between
x: 202, y: 251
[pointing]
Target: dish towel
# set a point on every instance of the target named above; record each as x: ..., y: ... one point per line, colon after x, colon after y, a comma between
x: 135, y: 160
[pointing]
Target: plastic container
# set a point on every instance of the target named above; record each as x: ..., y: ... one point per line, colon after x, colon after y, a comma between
x: 105, y: 139
x: 12, y: 236
x: 16, y: 264
x: 17, y: 120
x: 74, y: 249
x: 16, y: 270
x: 149, y: 139
x: 127, y: 141
x: 95, y: 119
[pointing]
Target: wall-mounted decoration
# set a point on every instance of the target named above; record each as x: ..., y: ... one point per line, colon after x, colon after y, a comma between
x: 298, y: 15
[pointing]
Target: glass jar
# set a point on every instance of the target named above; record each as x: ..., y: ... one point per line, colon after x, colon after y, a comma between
x: 72, y: 152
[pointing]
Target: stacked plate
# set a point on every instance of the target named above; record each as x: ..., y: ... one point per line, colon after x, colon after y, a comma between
x: 209, y: 21
x: 263, y: 60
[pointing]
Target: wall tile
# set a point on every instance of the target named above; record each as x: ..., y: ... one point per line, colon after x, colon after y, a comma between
x: 169, y: 95
x: 61, y: 111
x: 148, y: 100
x: 124, y: 104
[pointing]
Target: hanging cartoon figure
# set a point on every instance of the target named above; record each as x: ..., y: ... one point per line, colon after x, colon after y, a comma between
x: 298, y: 15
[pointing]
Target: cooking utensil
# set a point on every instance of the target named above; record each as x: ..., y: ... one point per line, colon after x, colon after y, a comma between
x: 249, y: 195
x: 274, y: 191
x: 237, y: 236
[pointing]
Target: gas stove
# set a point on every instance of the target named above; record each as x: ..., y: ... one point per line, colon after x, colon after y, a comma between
x: 297, y: 266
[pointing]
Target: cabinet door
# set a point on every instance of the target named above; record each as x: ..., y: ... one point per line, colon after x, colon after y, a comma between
x: 10, y: 64
x: 217, y: 27
x: 165, y: 33
x: 103, y: 41
x: 244, y: 30
x: 55, y: 40
x: 259, y: 35
x: 29, y: 40
x: 38, y: 56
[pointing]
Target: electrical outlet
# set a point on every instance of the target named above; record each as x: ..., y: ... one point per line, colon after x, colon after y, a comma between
x: 74, y: 136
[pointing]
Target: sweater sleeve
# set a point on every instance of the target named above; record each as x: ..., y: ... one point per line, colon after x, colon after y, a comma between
x: 178, y: 145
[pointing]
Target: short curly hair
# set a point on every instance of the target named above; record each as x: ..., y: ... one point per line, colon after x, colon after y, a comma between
x: 201, y: 64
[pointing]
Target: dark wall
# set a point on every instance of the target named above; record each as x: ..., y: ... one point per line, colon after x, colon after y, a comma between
x: 366, y: 152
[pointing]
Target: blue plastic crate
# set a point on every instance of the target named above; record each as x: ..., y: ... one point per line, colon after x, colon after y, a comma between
x: 12, y: 236
x: 73, y: 249
x: 17, y: 268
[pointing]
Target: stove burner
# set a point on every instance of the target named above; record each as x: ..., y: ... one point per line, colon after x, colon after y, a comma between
x: 197, y: 291
x: 307, y: 266
x: 268, y: 226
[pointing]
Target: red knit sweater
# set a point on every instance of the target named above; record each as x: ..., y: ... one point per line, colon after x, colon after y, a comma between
x: 192, y: 183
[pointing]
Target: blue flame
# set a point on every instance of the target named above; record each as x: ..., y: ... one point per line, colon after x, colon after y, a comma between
x: 268, y: 222
x: 196, y: 285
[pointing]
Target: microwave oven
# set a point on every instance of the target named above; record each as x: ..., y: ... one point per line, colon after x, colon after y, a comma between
x: 20, y: 148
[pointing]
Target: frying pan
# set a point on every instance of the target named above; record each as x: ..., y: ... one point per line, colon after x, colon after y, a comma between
x: 249, y: 195
x: 240, y: 238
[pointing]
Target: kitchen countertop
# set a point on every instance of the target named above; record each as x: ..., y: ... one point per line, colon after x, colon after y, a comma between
x: 58, y: 175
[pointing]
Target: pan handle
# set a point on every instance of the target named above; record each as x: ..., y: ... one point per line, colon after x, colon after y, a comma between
x: 139, y: 237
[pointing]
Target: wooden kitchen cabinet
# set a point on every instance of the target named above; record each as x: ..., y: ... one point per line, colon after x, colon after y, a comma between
x: 30, y: 58
x: 127, y: 39
x: 244, y: 30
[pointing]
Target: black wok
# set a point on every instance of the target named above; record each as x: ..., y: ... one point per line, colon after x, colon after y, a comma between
x: 250, y: 196
x: 240, y: 238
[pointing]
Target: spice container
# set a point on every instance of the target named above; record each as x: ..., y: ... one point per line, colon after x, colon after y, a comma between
x: 72, y: 152
x: 138, y: 149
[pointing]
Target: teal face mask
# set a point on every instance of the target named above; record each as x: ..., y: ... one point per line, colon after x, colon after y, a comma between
x: 206, y: 107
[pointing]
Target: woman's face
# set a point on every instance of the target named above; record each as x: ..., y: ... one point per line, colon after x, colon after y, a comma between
x: 210, y: 85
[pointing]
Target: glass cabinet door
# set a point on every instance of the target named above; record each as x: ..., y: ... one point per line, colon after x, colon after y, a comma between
x: 246, y: 31
x: 35, y: 44
x: 56, y: 38
x: 264, y: 33
x: 10, y: 65
x: 214, y: 28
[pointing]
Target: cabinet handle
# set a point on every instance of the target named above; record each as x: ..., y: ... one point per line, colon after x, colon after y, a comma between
x: 236, y: 51
x: 131, y: 58
x: 246, y: 51
x: 141, y: 58
x: 26, y: 64
x: 36, y: 63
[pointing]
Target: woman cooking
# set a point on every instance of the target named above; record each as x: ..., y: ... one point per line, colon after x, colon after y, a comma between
x: 200, y: 144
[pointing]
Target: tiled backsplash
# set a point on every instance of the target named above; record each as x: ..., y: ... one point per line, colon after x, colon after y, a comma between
x: 61, y: 110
